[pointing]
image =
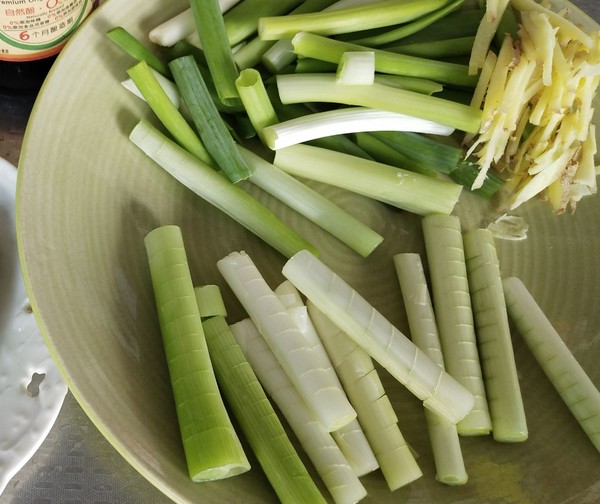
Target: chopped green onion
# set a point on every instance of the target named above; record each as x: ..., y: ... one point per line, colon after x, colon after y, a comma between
x: 257, y: 50
x: 312, y: 205
x: 210, y: 28
x: 209, y: 124
x: 256, y: 100
x: 209, y: 301
x: 319, y: 445
x: 356, y: 68
x: 310, y: 45
x: 165, y: 110
x: 366, y: 392
x: 381, y: 152
x: 401, y: 188
x: 345, y: 120
x: 351, y: 19
x: 304, y: 88
x: 445, y: 442
x: 560, y: 365
x: 258, y: 420
x: 454, y: 314
x: 317, y: 385
x: 461, y: 23
x: 169, y: 87
x: 180, y: 26
x: 436, y: 49
x: 407, y: 29
x: 424, y: 153
x: 493, y: 337
x: 347, y: 309
x: 217, y: 190
x: 212, y: 447
x: 132, y: 46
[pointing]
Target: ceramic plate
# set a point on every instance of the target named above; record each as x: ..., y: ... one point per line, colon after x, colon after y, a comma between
x: 86, y: 199
x: 31, y: 388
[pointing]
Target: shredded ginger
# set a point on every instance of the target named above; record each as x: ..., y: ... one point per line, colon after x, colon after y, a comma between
x: 537, y: 95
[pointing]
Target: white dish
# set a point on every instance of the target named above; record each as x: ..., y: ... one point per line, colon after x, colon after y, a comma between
x: 31, y: 388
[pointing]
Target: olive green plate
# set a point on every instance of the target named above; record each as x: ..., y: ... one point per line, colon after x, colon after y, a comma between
x: 86, y: 199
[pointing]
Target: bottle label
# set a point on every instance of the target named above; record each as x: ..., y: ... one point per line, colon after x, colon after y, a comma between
x: 35, y: 29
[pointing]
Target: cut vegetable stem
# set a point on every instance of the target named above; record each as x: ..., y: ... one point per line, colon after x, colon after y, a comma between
x: 217, y: 190
x: 454, y: 314
x: 555, y: 358
x: 212, y: 447
x: 347, y: 309
x: 329, y: 462
x: 318, y: 386
x: 443, y: 435
x: 493, y: 337
x: 258, y: 420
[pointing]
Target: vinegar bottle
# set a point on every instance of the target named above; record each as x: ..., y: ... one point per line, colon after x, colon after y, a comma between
x: 32, y: 33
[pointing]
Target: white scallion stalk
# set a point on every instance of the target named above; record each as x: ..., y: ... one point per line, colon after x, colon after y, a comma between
x: 350, y: 438
x: 377, y: 336
x: 319, y: 445
x: 211, y: 445
x: 312, y: 205
x: 443, y: 436
x: 401, y: 188
x: 356, y: 68
x: 556, y: 359
x: 169, y: 87
x: 502, y: 387
x: 454, y: 314
x: 366, y: 392
x: 216, y: 189
x: 180, y: 26
x: 306, y: 88
x: 346, y: 120
x: 317, y: 386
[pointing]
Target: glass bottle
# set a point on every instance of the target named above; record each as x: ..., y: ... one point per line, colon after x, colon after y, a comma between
x: 32, y: 33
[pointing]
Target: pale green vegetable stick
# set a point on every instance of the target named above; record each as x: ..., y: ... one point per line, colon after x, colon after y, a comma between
x: 350, y: 438
x: 454, y: 314
x: 375, y: 334
x: 318, y: 386
x: 560, y: 365
x: 445, y: 442
x: 367, y: 394
x: 331, y: 465
x: 264, y: 431
x: 509, y: 423
x: 212, y: 447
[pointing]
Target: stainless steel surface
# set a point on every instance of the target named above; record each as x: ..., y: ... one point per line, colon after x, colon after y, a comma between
x: 76, y: 464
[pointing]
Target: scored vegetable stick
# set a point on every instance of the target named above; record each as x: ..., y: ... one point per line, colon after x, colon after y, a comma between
x: 317, y: 386
x: 264, y: 431
x: 370, y: 330
x: 453, y: 311
x: 444, y: 439
x: 493, y: 336
x: 331, y: 465
x: 350, y: 438
x: 375, y: 412
x: 211, y: 445
x: 561, y: 367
